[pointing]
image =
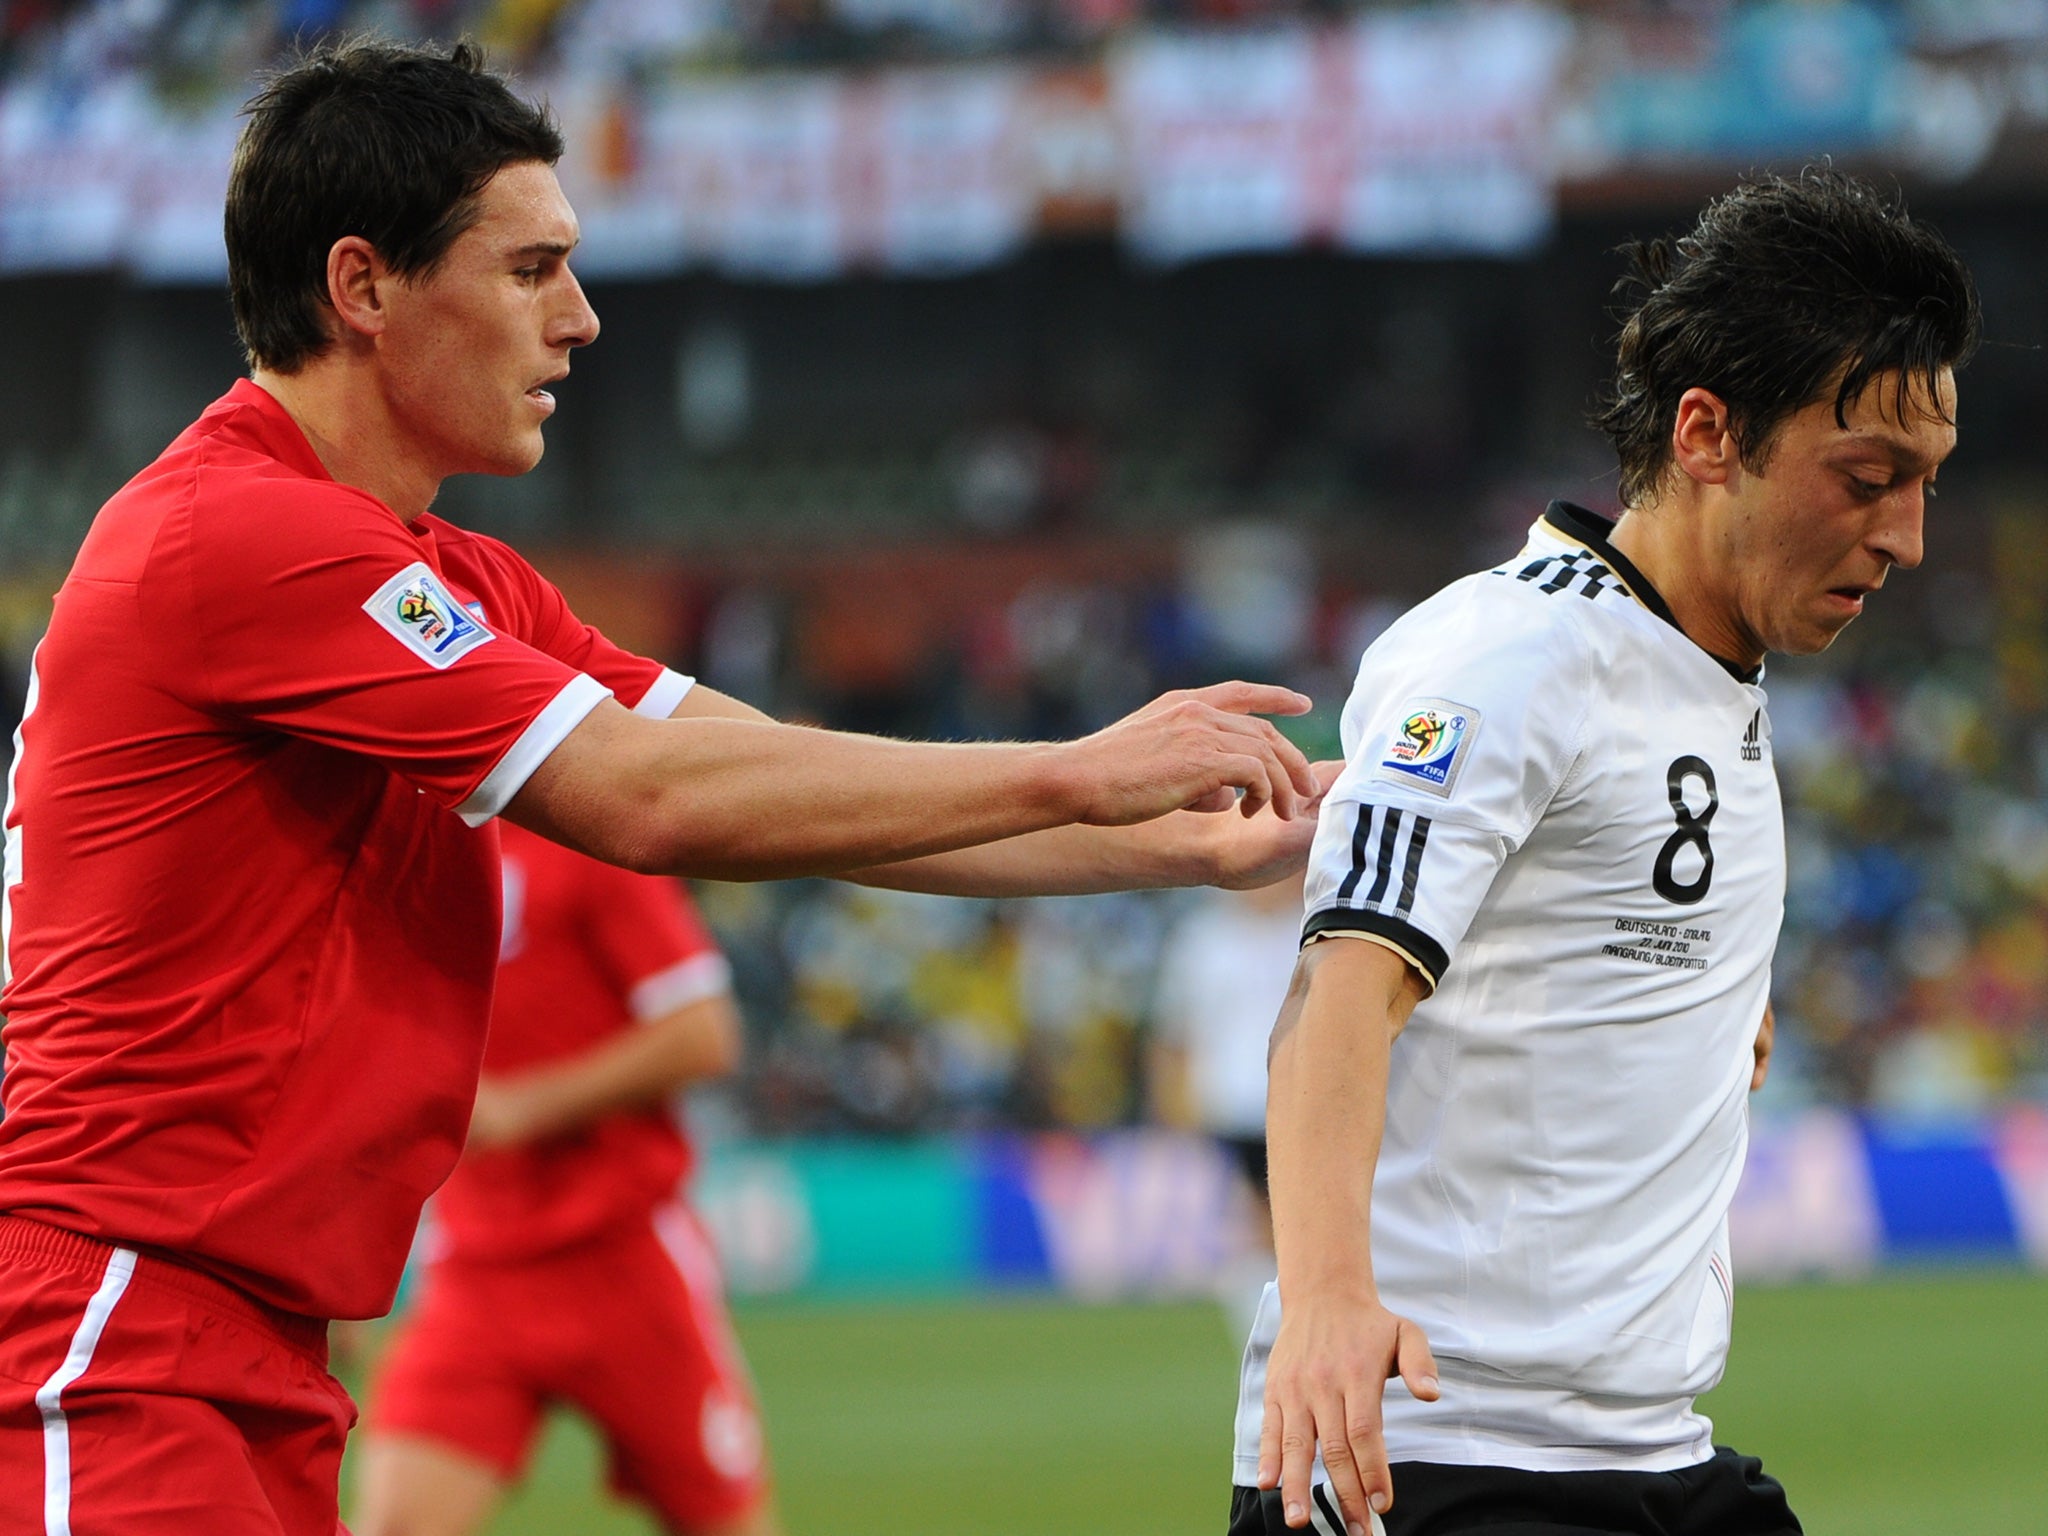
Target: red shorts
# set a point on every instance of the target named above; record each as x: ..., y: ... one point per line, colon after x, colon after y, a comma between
x: 630, y: 1329
x: 142, y: 1397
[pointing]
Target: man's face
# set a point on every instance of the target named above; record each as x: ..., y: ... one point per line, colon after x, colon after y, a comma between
x: 469, y: 349
x: 1802, y: 543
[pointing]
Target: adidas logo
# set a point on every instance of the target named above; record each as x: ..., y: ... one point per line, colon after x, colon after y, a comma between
x: 1752, y: 747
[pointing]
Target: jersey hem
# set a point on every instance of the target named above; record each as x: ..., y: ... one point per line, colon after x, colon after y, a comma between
x: 664, y: 694
x: 1519, y: 1458
x: 1404, y: 938
x: 563, y: 713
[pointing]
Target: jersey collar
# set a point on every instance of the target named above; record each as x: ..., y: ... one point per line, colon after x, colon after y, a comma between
x: 254, y: 410
x: 1574, y: 522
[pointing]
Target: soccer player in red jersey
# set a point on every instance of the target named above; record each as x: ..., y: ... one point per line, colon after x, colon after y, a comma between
x: 611, y: 997
x: 248, y: 917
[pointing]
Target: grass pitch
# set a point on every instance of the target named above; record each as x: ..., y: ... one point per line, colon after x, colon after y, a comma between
x: 1909, y: 1404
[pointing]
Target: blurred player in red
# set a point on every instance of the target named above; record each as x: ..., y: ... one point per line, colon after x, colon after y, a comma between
x: 249, y: 901
x: 563, y: 1265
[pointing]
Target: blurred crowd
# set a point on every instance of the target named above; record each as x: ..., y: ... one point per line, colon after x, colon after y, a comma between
x: 1042, y: 577
x: 195, y: 45
x: 1913, y: 976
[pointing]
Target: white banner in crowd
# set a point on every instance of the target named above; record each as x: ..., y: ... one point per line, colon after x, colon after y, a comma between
x: 1405, y: 131
x: 1399, y: 132
x: 804, y: 177
x: 69, y: 163
x: 949, y: 189
x: 1447, y: 130
x: 1220, y: 139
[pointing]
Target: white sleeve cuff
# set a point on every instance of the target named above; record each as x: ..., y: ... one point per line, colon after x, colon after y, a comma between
x: 664, y: 694
x: 579, y: 696
x: 686, y: 982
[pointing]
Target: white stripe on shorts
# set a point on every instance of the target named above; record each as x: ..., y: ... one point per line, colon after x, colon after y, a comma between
x: 56, y: 1428
x: 1322, y: 1514
x: 702, y: 1286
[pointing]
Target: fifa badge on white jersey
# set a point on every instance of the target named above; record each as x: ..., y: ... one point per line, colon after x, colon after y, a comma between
x: 1428, y: 744
x: 416, y: 607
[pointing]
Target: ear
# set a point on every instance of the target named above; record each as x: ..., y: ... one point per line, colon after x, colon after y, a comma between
x: 1703, y: 438
x: 356, y: 279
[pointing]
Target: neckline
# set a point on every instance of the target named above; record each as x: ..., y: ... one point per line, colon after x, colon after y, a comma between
x: 1597, y: 534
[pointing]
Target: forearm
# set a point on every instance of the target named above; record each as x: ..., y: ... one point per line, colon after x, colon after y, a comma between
x: 719, y: 791
x: 1176, y: 850
x: 745, y: 799
x: 1182, y: 848
x: 1326, y: 1111
x: 640, y: 1066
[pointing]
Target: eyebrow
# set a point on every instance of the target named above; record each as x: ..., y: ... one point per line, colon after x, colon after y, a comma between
x: 545, y: 248
x: 1901, y: 457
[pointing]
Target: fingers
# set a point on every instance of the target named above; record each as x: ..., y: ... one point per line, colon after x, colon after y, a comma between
x: 1357, y: 1459
x: 1416, y: 1363
x: 1269, y: 1443
x: 1251, y: 699
x: 1297, y: 1465
x: 1289, y: 782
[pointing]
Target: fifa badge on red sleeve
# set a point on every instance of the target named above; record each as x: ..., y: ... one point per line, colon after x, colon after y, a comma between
x: 1426, y: 747
x: 415, y: 606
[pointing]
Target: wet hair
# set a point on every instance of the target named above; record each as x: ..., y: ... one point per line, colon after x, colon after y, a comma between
x: 1787, y: 288
x: 388, y: 141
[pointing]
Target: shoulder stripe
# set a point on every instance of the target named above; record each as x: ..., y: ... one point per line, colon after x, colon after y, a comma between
x: 1361, y: 834
x: 1578, y: 565
x: 1390, y: 828
x: 1376, y: 844
x: 1417, y: 841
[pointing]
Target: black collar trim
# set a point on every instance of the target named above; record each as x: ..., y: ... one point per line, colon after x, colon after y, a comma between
x: 1596, y: 533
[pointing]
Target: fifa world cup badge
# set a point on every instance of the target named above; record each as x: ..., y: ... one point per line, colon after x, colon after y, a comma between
x: 417, y: 607
x: 1427, y: 744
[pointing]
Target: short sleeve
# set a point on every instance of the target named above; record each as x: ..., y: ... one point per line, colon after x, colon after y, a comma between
x: 546, y: 622
x: 317, y: 614
x: 1465, y: 718
x: 650, y: 941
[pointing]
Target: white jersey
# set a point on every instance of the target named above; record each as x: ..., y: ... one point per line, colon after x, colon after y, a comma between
x: 1564, y: 812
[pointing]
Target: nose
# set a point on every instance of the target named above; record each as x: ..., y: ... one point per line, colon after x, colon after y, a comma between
x: 576, y: 325
x: 1897, y: 535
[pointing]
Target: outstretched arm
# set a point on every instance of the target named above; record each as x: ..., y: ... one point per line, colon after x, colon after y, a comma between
x: 1326, y: 1107
x: 720, y: 790
x: 1239, y: 853
x: 641, y: 1065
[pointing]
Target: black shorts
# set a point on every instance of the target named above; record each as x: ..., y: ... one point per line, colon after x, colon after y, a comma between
x: 1727, y: 1495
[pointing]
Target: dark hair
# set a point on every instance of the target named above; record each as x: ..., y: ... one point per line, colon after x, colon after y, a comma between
x: 1787, y: 287
x: 362, y: 137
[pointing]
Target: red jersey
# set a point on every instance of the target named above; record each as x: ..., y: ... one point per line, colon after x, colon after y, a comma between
x: 251, y: 927
x: 588, y: 951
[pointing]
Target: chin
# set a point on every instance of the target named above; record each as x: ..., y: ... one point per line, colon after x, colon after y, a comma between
x: 513, y: 459
x: 1808, y: 643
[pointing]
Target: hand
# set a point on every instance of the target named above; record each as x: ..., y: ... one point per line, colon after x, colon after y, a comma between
x: 1256, y: 851
x: 504, y: 1116
x: 1766, y: 1033
x: 1324, y: 1383
x: 1194, y: 750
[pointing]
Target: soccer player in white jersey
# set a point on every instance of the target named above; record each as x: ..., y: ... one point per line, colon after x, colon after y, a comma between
x: 1508, y: 1088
